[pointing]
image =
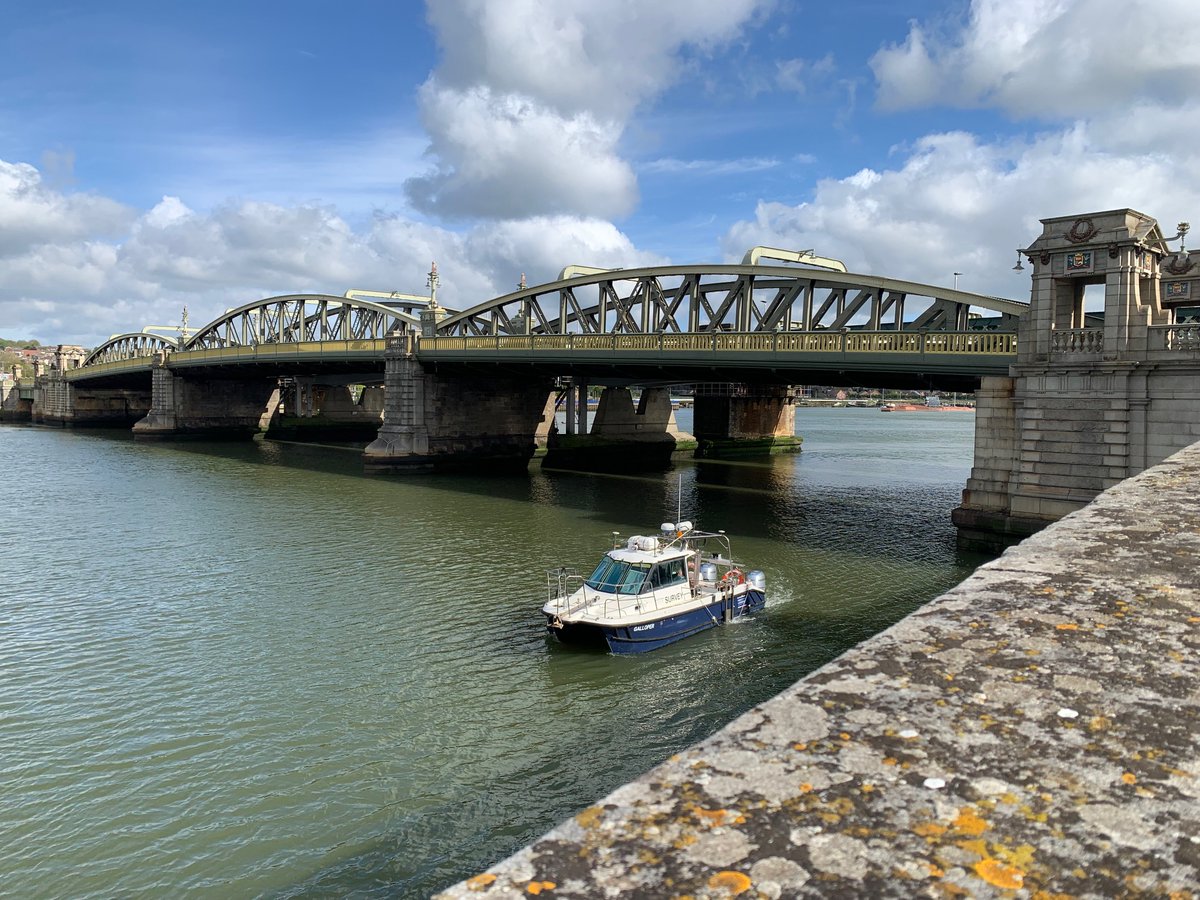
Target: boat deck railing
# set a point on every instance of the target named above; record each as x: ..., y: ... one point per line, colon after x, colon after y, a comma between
x: 563, y: 582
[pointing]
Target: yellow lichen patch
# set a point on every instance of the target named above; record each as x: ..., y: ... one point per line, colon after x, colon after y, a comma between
x: 590, y: 817
x: 935, y: 872
x: 867, y: 788
x: 684, y: 840
x: 968, y: 822
x: 1046, y: 590
x: 1194, y: 619
x: 889, y: 760
x: 715, y: 818
x: 844, y: 736
x: 805, y: 788
x: 1129, y: 778
x: 979, y: 848
x: 1098, y: 723
x: 1067, y: 626
x: 997, y: 873
x: 536, y: 887
x: 800, y: 746
x: 930, y: 830
x: 479, y: 882
x: 734, y: 882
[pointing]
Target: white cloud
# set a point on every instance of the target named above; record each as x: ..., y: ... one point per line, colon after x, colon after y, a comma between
x: 58, y: 284
x: 509, y: 156
x: 531, y: 98
x: 1051, y: 58
x: 1115, y: 76
x: 959, y: 204
x: 31, y: 212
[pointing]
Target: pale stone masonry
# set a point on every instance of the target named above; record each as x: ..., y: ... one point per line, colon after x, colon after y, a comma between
x: 1034, y: 732
x: 1095, y: 396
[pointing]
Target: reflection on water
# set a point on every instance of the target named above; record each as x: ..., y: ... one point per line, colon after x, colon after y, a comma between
x: 248, y: 669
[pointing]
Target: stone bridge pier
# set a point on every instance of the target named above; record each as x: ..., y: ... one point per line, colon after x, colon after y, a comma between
x: 1096, y: 395
x: 207, y: 407
x: 744, y: 419
x: 622, y: 435
x: 441, y: 420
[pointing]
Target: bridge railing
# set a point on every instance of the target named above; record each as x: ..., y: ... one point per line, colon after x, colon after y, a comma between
x: 909, y: 342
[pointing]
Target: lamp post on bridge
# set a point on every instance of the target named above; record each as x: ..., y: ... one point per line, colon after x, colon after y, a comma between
x: 433, y: 316
x: 956, y: 274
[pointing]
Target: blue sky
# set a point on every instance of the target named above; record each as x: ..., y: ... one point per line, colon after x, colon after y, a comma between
x: 160, y: 154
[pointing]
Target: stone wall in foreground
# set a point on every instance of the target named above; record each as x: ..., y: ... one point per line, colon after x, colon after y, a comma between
x: 1034, y: 732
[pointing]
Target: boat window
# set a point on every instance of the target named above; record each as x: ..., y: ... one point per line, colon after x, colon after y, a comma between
x: 668, y: 573
x: 635, y: 577
x: 617, y: 577
x: 607, y: 575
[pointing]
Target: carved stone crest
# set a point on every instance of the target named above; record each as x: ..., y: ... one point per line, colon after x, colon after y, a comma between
x: 1082, y: 230
x: 1179, y: 265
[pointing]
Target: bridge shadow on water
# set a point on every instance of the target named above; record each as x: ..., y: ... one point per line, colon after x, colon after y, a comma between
x: 771, y: 498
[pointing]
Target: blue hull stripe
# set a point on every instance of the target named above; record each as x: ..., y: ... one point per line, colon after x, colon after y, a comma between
x: 647, y: 636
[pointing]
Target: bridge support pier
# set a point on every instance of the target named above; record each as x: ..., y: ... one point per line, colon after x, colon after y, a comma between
x: 210, y: 408
x: 440, y: 421
x: 57, y: 401
x: 622, y: 436
x: 1091, y: 401
x: 733, y: 420
x: 330, y: 413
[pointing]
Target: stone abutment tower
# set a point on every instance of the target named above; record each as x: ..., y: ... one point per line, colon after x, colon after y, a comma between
x: 1100, y: 390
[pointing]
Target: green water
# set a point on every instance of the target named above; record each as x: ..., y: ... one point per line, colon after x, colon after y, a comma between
x: 248, y: 670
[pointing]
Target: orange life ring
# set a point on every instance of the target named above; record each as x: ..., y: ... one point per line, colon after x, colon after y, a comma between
x: 734, y: 576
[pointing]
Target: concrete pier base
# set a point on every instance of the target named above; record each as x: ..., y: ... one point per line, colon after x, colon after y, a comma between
x: 623, y: 437
x: 213, y: 409
x: 436, y: 421
x: 733, y: 420
x: 56, y: 401
x: 335, y: 417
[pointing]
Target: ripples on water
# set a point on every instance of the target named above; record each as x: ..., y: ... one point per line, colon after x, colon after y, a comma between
x: 240, y: 670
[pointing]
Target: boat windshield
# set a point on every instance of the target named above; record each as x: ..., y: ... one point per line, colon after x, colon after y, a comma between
x: 616, y: 577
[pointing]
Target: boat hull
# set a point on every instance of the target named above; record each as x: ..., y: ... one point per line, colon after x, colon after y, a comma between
x: 641, y: 637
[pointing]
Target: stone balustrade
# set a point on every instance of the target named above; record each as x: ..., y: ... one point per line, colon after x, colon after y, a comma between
x: 1078, y: 340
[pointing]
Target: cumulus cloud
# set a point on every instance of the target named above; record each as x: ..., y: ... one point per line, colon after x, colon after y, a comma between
x: 1052, y: 58
x: 1117, y: 129
x: 130, y: 269
x: 32, y: 213
x: 958, y: 204
x: 531, y: 98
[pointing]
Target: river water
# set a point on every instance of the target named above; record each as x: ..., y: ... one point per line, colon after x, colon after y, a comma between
x: 239, y: 670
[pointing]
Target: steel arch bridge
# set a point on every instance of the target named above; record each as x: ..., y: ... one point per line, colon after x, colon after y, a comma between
x: 694, y: 320
x: 133, y: 345
x: 291, y: 328
x: 739, y: 298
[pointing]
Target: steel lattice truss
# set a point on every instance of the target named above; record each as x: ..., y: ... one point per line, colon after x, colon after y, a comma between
x: 134, y: 345
x: 680, y: 299
x: 298, y: 318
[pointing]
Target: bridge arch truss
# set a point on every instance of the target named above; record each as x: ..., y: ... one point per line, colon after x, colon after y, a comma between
x: 302, y: 318
x: 134, y: 345
x: 739, y: 298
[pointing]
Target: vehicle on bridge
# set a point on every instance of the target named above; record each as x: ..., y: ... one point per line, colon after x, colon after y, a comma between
x: 653, y: 590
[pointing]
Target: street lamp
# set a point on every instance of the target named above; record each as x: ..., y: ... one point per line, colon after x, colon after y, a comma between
x: 956, y: 274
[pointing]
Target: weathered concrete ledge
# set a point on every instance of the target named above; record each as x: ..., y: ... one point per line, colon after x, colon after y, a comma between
x: 1034, y: 732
